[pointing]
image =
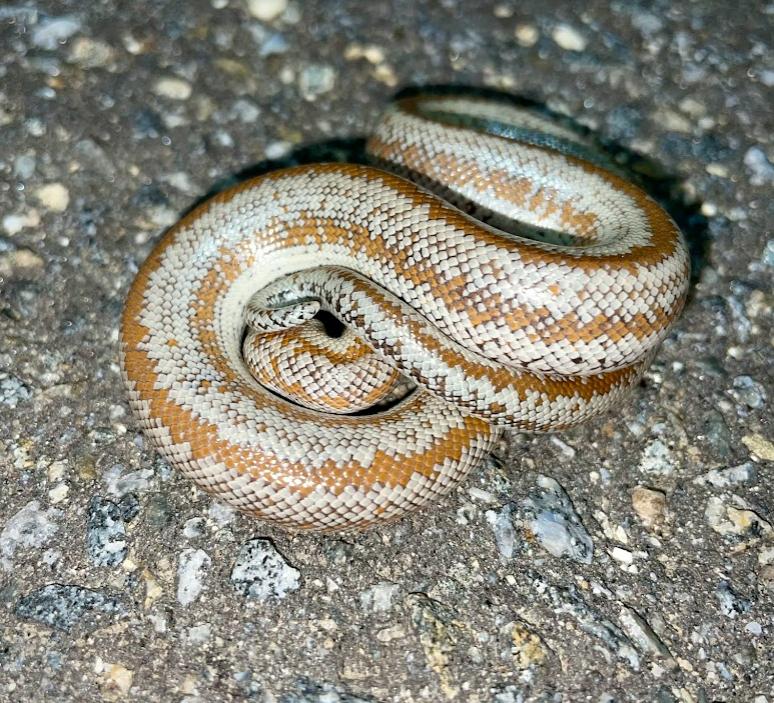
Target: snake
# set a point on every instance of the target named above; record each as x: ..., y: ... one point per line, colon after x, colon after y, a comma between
x: 331, y: 346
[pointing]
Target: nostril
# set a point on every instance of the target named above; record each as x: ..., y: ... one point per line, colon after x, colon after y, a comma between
x: 334, y: 327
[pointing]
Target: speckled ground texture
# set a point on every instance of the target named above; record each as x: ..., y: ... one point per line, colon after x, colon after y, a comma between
x: 630, y: 560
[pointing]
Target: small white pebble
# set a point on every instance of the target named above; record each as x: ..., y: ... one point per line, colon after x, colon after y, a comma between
x: 53, y: 31
x: 35, y: 127
x: 379, y: 598
x: 692, y: 107
x: 91, y: 53
x: 566, y: 450
x: 315, y: 80
x: 672, y: 120
x: 266, y: 10
x: 526, y: 34
x: 483, y: 496
x: 56, y: 471
x: 384, y: 73
x: 173, y: 88
x: 21, y: 260
x: 759, y: 446
x: 198, y: 634
x: 568, y: 38
x: 117, y: 678
x: 766, y: 556
x: 53, y: 196
x: 716, y: 170
x: 58, y: 493
x: 191, y: 570
x: 622, y: 555
x: 278, y: 149
x: 370, y: 52
x: 287, y: 75
x: 754, y: 628
x: 193, y: 527
x: 221, y: 513
x: 396, y: 632
x: 159, y: 622
x: 13, y: 224
x: 649, y: 504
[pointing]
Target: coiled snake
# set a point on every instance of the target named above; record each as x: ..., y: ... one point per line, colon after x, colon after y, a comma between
x: 536, y: 313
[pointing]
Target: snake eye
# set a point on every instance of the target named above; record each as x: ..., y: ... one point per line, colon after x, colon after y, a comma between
x: 334, y: 327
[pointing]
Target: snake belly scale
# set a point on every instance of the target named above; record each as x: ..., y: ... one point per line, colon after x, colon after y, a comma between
x: 536, y: 310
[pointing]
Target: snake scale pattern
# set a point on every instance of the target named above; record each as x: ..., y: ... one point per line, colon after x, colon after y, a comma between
x: 536, y: 308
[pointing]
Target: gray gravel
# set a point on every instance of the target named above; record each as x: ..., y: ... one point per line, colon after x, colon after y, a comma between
x: 119, y: 580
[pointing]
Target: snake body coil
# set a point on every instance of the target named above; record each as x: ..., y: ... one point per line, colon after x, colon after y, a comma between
x: 537, y: 314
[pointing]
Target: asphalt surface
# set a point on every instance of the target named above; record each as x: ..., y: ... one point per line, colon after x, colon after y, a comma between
x: 628, y: 560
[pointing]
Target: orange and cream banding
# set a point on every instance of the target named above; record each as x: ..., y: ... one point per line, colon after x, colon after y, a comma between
x: 535, y: 310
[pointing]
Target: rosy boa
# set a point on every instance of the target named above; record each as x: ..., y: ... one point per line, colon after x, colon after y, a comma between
x: 538, y: 331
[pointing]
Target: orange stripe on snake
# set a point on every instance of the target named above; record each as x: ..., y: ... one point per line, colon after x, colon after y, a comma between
x: 539, y: 327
